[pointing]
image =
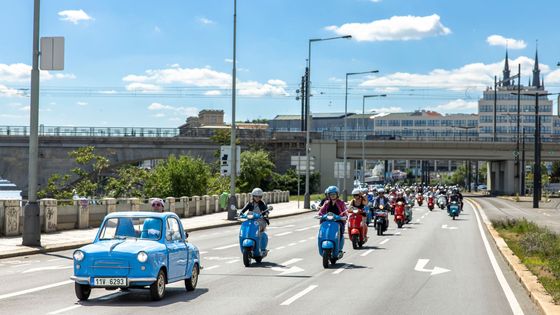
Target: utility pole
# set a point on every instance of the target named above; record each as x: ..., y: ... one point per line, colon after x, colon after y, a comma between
x: 537, y: 170
x: 495, y: 104
x: 302, y: 93
x: 31, y: 212
x: 232, y: 199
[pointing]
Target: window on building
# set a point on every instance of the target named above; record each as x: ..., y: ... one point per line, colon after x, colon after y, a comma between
x: 419, y: 123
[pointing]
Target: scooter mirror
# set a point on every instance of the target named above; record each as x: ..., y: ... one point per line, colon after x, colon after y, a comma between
x: 269, y: 208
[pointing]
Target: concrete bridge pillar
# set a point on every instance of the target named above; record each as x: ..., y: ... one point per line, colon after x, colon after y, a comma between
x: 501, y: 177
x: 49, y: 212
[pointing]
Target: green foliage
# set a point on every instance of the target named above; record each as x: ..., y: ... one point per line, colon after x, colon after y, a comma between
x: 555, y: 174
x: 222, y: 137
x: 56, y: 188
x: 183, y: 176
x: 256, y: 169
x: 128, y: 182
x: 287, y: 181
x: 218, y: 184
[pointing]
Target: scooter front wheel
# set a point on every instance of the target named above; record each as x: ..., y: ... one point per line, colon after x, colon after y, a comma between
x: 326, y: 255
x: 246, y: 258
x: 379, y: 229
x: 355, y: 241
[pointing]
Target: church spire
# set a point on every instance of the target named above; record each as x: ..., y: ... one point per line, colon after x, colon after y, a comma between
x: 536, y: 71
x: 506, y: 71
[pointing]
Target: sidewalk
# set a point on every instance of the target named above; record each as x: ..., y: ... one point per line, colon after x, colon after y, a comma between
x: 11, y: 246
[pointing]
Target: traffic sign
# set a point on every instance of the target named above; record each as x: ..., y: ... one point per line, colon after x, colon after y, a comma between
x: 339, y: 170
x: 225, y: 160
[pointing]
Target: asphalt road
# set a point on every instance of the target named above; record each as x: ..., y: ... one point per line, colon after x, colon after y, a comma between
x: 393, y: 274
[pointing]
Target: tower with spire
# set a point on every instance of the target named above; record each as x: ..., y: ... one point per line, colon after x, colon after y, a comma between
x: 537, y: 72
x: 506, y: 71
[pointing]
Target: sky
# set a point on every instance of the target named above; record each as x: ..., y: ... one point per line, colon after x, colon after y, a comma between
x: 146, y: 63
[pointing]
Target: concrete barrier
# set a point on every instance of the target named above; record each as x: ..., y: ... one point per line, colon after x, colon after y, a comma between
x: 197, y: 207
x: 49, y: 212
x: 134, y: 204
x: 216, y: 200
x: 170, y: 205
x: 184, y: 209
x: 110, y: 205
x: 206, y: 204
x: 83, y: 213
x: 238, y: 198
x: 12, y: 214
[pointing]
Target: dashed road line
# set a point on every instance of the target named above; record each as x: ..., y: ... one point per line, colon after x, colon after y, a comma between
x: 299, y: 295
x: 369, y: 251
x: 211, y: 267
x: 341, y: 269
x: 65, y: 309
x: 282, y: 234
x: 232, y: 261
x: 384, y: 241
x: 281, y: 247
x: 225, y: 247
x: 45, y: 287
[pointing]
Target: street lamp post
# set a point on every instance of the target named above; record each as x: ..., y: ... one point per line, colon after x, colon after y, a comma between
x: 364, y: 130
x: 306, y: 199
x: 233, y: 154
x: 344, y: 190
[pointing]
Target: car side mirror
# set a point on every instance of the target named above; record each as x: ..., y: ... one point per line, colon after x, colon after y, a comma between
x: 185, y: 235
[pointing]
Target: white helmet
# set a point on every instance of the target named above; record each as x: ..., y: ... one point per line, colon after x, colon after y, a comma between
x: 157, y: 201
x: 257, y: 192
x: 356, y: 191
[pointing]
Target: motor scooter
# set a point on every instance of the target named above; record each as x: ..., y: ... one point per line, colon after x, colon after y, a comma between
x: 431, y: 203
x: 419, y: 199
x: 380, y: 220
x: 442, y: 201
x: 253, y: 241
x: 330, y: 240
x: 357, y: 227
x: 392, y: 203
x: 454, y: 209
x: 399, y: 214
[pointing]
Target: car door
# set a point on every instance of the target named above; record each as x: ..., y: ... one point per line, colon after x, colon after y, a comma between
x: 177, y: 250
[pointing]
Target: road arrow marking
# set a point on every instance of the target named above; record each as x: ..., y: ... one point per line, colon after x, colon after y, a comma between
x: 299, y: 295
x: 423, y: 262
x: 286, y: 271
x: 449, y: 228
x: 48, y: 268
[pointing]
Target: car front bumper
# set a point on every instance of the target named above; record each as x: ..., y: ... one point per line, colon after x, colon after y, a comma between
x: 131, y: 281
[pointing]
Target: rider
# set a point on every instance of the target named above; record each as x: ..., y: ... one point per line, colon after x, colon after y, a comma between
x: 158, y: 205
x: 335, y: 206
x: 380, y: 200
x: 358, y: 201
x: 257, y: 205
x: 454, y: 196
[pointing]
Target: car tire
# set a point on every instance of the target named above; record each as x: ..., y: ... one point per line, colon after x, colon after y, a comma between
x: 82, y: 291
x: 157, y: 289
x: 190, y: 283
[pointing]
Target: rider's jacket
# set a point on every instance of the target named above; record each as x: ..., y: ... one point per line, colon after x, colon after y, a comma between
x: 454, y: 197
x: 258, y: 207
x: 339, y: 208
x: 380, y: 201
x: 360, y: 205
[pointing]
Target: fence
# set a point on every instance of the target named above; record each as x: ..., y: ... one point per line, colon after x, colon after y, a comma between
x: 58, y: 215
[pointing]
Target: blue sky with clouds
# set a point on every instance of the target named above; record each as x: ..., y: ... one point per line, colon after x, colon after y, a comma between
x: 152, y: 63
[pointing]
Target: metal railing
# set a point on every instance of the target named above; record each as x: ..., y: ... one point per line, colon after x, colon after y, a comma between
x: 91, y: 131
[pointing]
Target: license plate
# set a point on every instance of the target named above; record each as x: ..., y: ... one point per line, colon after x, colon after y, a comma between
x: 110, y: 282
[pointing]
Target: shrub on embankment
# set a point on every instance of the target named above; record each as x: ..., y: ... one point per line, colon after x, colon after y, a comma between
x: 538, y: 248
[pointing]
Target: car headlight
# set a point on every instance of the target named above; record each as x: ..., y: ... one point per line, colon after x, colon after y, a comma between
x: 78, y: 255
x: 142, y: 257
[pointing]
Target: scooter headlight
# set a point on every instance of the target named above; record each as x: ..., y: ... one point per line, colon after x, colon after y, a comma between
x: 355, y: 210
x: 78, y: 255
x: 330, y: 217
x: 250, y: 216
x: 381, y: 207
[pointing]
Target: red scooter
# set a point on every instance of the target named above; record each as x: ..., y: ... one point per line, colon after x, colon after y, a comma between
x: 419, y: 199
x: 357, y: 227
x: 399, y: 214
x: 431, y: 203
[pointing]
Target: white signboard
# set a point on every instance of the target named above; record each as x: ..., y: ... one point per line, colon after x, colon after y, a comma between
x: 52, y: 53
x: 339, y: 170
x: 225, y: 160
x: 300, y: 162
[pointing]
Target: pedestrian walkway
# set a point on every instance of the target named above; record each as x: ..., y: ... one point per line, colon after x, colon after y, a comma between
x: 11, y: 246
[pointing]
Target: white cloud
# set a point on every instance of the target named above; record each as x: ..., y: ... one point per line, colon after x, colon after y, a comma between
x: 458, y: 105
x: 395, y: 28
x: 228, y: 60
x: 25, y: 108
x: 173, y: 110
x: 158, y: 106
x: 69, y: 76
x: 205, y: 21
x: 142, y: 87
x: 17, y: 72
x: 391, y: 109
x: 159, y: 115
x: 74, y: 16
x: 375, y: 1
x: 389, y: 89
x: 80, y: 103
x: 108, y: 92
x: 175, y: 119
x: 157, y: 29
x: 213, y: 93
x: 474, y: 75
x: 552, y: 77
x: 9, y: 92
x: 499, y: 40
x: 204, y: 77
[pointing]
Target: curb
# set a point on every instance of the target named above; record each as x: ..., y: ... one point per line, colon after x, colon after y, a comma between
x: 530, y: 282
x: 77, y: 244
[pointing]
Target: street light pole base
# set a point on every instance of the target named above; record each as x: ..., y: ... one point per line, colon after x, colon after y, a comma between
x: 31, y: 225
x: 232, y: 208
x: 306, y: 201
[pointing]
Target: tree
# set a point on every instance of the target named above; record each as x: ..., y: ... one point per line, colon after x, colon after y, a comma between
x: 222, y: 137
x: 555, y: 175
x: 256, y: 167
x: 183, y: 176
x: 128, y: 182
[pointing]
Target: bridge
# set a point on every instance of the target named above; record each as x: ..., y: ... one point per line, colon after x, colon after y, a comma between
x: 129, y: 145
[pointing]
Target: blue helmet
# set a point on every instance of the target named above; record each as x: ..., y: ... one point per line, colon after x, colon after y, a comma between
x: 332, y: 190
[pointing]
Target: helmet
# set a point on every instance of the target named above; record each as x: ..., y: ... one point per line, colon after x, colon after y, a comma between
x: 257, y: 192
x: 326, y: 191
x: 332, y: 190
x: 381, y: 191
x: 356, y: 191
x: 157, y: 201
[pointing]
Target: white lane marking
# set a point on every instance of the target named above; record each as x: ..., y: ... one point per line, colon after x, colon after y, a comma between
x: 303, y: 241
x: 20, y: 265
x: 232, y: 261
x: 445, y: 227
x: 397, y: 233
x: 48, y: 268
x: 225, y: 247
x: 65, y: 309
x: 384, y: 241
x: 341, y: 269
x: 513, y: 303
x: 291, y: 261
x: 281, y: 247
x: 292, y: 244
x: 203, y: 253
x: 311, y: 238
x: 282, y: 234
x: 54, y: 259
x: 421, y: 264
x: 367, y: 253
x: 48, y: 286
x: 211, y: 267
x: 299, y: 295
x: 111, y: 296
x: 417, y: 220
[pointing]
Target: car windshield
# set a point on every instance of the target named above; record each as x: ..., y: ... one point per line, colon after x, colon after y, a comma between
x: 131, y: 227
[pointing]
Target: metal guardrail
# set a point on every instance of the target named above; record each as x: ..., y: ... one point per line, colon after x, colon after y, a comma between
x: 91, y: 131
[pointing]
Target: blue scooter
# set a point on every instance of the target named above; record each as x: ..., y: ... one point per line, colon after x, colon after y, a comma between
x: 330, y: 239
x: 454, y: 209
x: 252, y: 241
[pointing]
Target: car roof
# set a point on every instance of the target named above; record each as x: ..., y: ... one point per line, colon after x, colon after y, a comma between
x: 137, y: 214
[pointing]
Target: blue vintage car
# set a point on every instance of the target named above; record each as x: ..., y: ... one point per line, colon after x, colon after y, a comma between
x: 137, y: 250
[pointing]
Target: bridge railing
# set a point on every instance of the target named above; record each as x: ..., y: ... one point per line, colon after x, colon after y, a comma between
x: 70, y: 131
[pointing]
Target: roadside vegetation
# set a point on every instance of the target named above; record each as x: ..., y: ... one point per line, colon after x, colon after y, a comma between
x: 537, y: 247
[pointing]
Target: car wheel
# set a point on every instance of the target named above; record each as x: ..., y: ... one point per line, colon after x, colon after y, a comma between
x: 82, y: 291
x: 157, y: 289
x: 190, y: 283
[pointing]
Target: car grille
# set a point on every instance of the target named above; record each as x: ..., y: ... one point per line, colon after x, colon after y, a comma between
x: 110, y: 267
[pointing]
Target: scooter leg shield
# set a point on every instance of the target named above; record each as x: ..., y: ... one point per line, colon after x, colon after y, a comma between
x: 264, y: 241
x: 327, y: 245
